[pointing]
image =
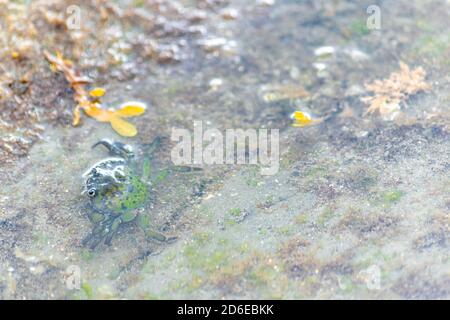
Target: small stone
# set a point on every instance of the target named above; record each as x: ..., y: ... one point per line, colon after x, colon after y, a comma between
x: 361, y: 134
x: 324, y: 51
x: 319, y: 66
x: 294, y: 73
x: 215, y: 83
x: 266, y: 3
x: 357, y: 55
x: 212, y: 44
x: 229, y: 14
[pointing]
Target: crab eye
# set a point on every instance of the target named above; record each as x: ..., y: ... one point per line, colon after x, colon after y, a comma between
x: 91, y: 192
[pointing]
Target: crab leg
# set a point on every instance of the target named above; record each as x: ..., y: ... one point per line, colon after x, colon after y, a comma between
x: 116, y: 148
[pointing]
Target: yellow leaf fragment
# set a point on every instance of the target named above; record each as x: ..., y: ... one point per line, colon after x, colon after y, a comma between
x: 15, y: 55
x: 131, y: 109
x: 123, y: 127
x: 95, y: 111
x: 97, y: 92
x: 76, y: 116
x: 302, y: 119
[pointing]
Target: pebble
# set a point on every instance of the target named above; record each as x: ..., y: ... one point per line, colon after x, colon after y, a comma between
x: 266, y: 3
x: 361, y: 134
x: 212, y: 44
x: 324, y: 51
x: 319, y: 66
x: 229, y: 14
x: 357, y: 55
x: 294, y: 73
x: 215, y: 83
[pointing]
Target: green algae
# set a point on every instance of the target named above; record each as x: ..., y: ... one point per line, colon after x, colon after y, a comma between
x: 359, y: 28
x: 87, y: 289
x: 325, y: 216
x: 235, y: 212
x: 301, y: 218
x: 392, y: 196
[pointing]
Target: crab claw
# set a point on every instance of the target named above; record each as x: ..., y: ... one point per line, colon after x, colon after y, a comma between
x: 116, y: 148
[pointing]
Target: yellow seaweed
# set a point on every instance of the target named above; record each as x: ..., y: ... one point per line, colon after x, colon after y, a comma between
x: 131, y: 109
x: 92, y: 107
x: 97, y: 92
x: 122, y: 127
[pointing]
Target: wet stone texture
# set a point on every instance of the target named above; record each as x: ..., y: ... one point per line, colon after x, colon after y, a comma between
x: 359, y: 208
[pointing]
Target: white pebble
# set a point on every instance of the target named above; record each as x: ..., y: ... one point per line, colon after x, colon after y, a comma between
x: 324, y: 51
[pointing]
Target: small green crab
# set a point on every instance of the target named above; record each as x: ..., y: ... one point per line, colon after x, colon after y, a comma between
x: 116, y: 193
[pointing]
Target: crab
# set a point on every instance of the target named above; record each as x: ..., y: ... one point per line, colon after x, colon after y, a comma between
x: 117, y: 193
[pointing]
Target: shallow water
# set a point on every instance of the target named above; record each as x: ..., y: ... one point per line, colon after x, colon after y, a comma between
x: 359, y: 208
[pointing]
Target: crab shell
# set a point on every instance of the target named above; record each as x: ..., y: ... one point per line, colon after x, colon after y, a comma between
x: 118, y: 191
